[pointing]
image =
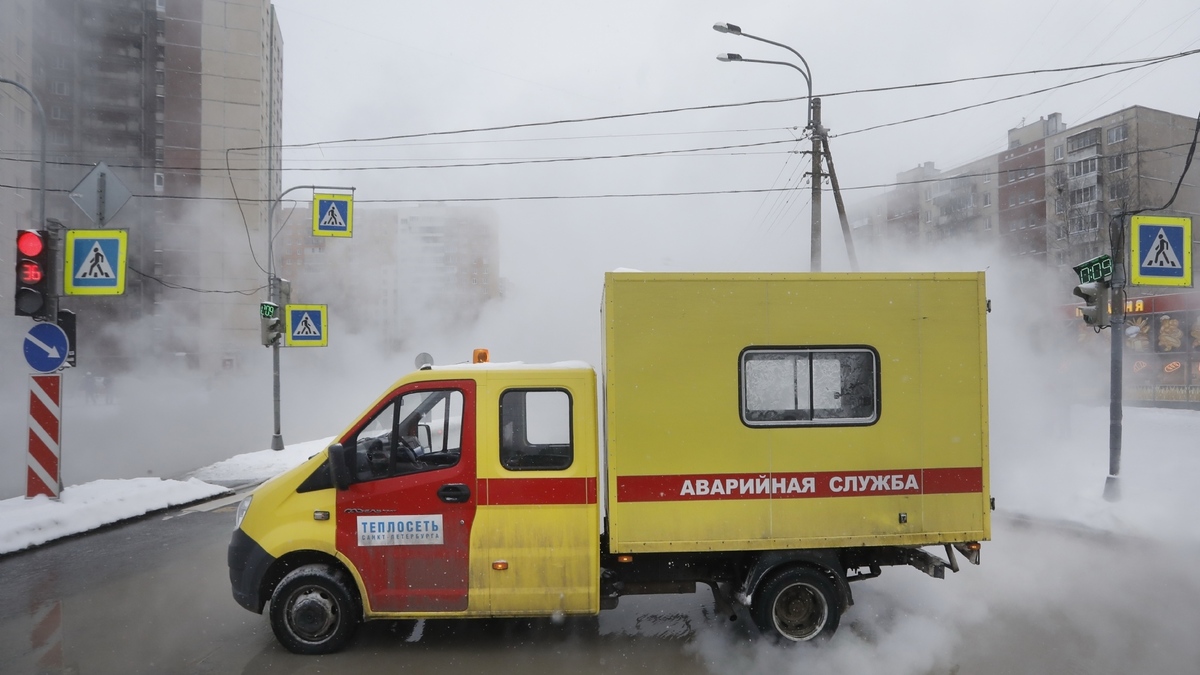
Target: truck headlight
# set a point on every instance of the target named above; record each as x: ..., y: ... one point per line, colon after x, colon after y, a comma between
x: 242, y: 508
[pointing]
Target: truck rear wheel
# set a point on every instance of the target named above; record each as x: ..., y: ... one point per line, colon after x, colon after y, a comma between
x: 798, y: 604
x: 313, y: 611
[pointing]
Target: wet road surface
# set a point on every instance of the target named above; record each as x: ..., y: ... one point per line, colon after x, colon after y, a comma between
x: 152, y: 596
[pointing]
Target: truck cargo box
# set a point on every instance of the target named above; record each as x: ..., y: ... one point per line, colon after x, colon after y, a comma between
x: 782, y: 411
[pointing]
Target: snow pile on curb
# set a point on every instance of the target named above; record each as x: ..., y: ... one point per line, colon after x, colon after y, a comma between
x: 91, y: 505
x: 256, y: 467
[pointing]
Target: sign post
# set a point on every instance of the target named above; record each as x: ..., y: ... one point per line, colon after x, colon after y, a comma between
x: 43, y: 476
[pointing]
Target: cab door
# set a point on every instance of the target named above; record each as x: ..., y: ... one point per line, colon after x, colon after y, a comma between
x: 405, y: 522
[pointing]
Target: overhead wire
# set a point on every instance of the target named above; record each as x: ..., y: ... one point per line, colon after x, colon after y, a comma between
x: 844, y: 188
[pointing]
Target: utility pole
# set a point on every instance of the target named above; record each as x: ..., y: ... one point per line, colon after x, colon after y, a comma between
x: 841, y: 208
x: 818, y: 135
x: 1116, y: 235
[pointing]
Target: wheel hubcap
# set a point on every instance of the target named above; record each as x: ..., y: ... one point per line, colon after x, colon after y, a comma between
x: 800, y: 612
x: 312, y: 614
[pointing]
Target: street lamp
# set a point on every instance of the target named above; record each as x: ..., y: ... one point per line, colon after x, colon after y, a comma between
x: 273, y: 296
x: 813, y: 124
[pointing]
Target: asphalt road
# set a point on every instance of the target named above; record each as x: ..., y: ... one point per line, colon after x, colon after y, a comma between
x: 152, y: 596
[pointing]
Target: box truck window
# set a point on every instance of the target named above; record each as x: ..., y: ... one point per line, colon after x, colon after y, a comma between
x: 415, y: 432
x: 786, y: 387
x: 535, y: 430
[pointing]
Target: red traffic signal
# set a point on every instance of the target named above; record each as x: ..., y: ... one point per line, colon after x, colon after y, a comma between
x: 34, y: 270
x: 30, y: 243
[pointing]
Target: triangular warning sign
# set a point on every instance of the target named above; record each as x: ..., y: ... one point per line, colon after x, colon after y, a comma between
x: 1161, y: 254
x: 306, y: 328
x: 333, y: 218
x: 95, y: 265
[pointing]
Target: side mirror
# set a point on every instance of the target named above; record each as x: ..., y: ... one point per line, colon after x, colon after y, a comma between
x: 339, y: 473
x: 425, y: 437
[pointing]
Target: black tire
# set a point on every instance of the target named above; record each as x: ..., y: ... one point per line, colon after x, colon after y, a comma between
x: 798, y: 604
x: 313, y: 610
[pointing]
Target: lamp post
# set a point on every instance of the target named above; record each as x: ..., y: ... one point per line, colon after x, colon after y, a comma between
x: 41, y: 219
x: 273, y: 296
x: 813, y: 124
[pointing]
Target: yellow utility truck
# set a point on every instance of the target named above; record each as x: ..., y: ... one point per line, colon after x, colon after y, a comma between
x: 772, y: 436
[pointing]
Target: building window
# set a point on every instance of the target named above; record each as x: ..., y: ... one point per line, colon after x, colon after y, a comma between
x: 1060, y: 231
x: 1118, y: 162
x: 987, y: 199
x: 1083, y: 195
x: 58, y: 137
x: 987, y: 223
x: 1083, y: 167
x: 1083, y: 140
x: 160, y: 181
x: 58, y: 113
x: 1116, y: 191
x: 535, y: 430
x: 59, y: 62
x: 987, y: 177
x: 1058, y: 152
x: 60, y: 88
x: 793, y: 387
x: 1059, y: 205
x: 1117, y: 134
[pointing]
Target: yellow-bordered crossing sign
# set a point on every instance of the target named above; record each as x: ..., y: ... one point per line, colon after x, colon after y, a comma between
x: 1160, y: 251
x: 94, y: 262
x: 306, y: 326
x: 333, y: 215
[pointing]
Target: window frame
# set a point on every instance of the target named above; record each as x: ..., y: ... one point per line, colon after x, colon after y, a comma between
x: 500, y: 445
x: 391, y: 405
x: 810, y: 350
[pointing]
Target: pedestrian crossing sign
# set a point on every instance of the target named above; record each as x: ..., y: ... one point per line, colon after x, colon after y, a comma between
x: 94, y: 262
x: 333, y: 215
x: 1160, y: 251
x: 307, y: 326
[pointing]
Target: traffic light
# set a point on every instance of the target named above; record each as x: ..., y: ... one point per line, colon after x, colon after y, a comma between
x: 35, y: 275
x: 271, y: 322
x: 1095, y: 294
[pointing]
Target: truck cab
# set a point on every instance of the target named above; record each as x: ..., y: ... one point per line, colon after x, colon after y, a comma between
x: 467, y: 491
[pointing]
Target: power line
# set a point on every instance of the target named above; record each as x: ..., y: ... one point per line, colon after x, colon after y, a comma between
x: 716, y: 106
x: 687, y: 193
x: 1008, y: 98
x: 461, y: 165
x: 181, y: 287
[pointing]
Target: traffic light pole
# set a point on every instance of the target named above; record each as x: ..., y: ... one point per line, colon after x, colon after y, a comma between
x: 273, y: 295
x: 41, y: 219
x: 1112, y: 490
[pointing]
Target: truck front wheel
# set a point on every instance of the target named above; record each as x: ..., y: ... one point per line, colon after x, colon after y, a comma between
x: 798, y: 604
x: 313, y: 611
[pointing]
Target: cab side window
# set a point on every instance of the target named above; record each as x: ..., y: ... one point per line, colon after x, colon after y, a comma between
x: 419, y: 431
x: 535, y: 430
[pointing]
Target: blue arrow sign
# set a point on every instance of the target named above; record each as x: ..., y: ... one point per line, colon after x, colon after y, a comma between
x: 45, y: 347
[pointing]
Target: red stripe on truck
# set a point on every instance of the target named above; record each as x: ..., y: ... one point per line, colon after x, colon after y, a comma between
x: 536, y: 491
x: 701, y: 487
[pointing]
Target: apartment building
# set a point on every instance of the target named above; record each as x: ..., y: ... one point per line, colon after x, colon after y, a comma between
x: 160, y: 90
x: 18, y: 123
x: 407, y: 272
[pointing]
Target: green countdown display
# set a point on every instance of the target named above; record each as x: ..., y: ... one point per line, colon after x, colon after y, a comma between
x: 1096, y: 269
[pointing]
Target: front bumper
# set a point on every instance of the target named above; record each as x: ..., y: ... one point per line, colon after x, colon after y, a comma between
x: 248, y: 565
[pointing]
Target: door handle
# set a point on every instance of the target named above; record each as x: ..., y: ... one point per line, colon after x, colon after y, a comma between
x: 454, y: 493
